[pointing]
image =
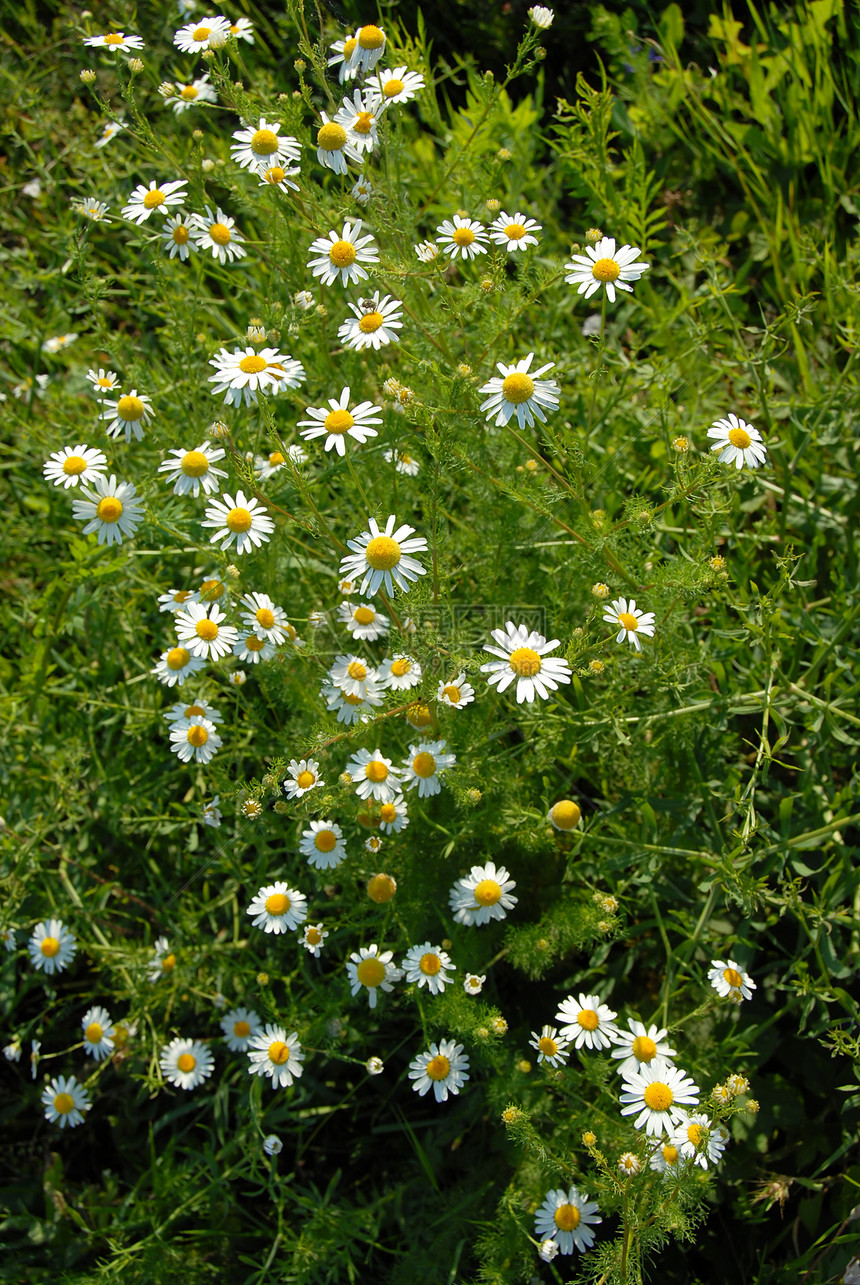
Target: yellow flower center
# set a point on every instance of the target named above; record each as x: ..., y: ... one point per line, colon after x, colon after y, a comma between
x: 202, y: 33
x: 370, y: 322
x: 74, y: 465
x: 313, y: 936
x: 265, y: 618
x: 180, y: 234
x: 206, y: 629
x: 331, y: 137
x: 430, y: 964
x: 338, y: 421
x: 109, y: 509
x: 452, y: 692
x: 275, y: 459
x: 606, y: 270
x: 381, y: 888
x: 195, y: 711
x: 567, y: 1218
x: 644, y: 1048
x: 113, y: 39
x: 515, y: 231
x: 588, y: 1019
x: 252, y: 365
x: 153, y: 198
x: 382, y: 553
x: 211, y: 589
x: 518, y: 387
x: 305, y: 780
x: 264, y: 142
x: 194, y: 463
x: 342, y: 254
x: 370, y: 972
x: 356, y: 670
x: 64, y: 1103
x: 178, y: 658
x: 220, y: 233
x: 566, y: 814
x: 325, y: 840
x: 93, y: 1033
x: 186, y: 1062
x: 168, y: 963
x: 239, y: 520
x: 376, y: 771
x: 49, y: 947
x: 424, y: 764
x: 548, y: 1047
x: 275, y: 174
x: 401, y: 667
x: 241, y: 1030
x: 438, y: 1067
x: 279, y: 1053
x: 628, y: 620
x: 733, y: 977
x: 393, y: 87
x: 388, y: 812
x: 370, y: 38
x: 104, y: 382
x: 277, y: 904
x: 487, y: 893
x: 131, y: 408
x: 188, y: 93
x: 739, y: 437
x: 364, y: 616
x: 348, y: 46
x: 462, y: 236
x: 197, y: 735
x: 525, y: 662
x: 670, y: 1154
x: 658, y: 1096
x: 419, y: 716
x: 696, y: 1134
x: 253, y: 643
x: 353, y: 699
x: 363, y: 123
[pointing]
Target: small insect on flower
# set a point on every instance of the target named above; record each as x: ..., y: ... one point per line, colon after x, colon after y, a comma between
x: 602, y: 265
x: 730, y: 981
x: 98, y: 1033
x: 429, y: 966
x: 567, y: 1217
x: 482, y: 895
x: 278, y: 908
x: 551, y: 1047
x: 65, y: 1102
x: 186, y: 1063
x: 444, y: 1068
x: 370, y: 969
x: 738, y: 442
x: 524, y: 658
x: 631, y: 621
x: 375, y: 322
x: 74, y: 464
x: 279, y: 1056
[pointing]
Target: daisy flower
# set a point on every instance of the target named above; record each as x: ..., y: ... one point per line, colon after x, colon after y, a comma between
x: 550, y: 1046
x: 602, y: 265
x: 375, y: 321
x: 348, y: 707
x: 376, y: 777
x: 525, y: 659
x: 110, y: 130
x: 631, y: 621
x: 176, y: 665
x: 352, y: 675
x: 429, y: 966
x: 567, y: 1217
x: 199, y: 626
x: 519, y: 394
x: 541, y: 16
x: 65, y: 1102
x: 341, y: 55
x: 211, y: 814
x: 323, y: 845
x: 334, y: 145
x: 278, y: 908
x: 92, y: 209
x: 186, y: 1063
x: 218, y: 233
x: 240, y: 1025
x: 402, y: 461
x: 103, y: 381
x: 194, y: 738
x: 730, y: 981
x: 58, y: 342
x: 358, y: 115
x: 115, y: 42
x: 244, y: 372
x: 369, y: 48
x: 464, y: 237
x: 265, y: 618
x: 361, y: 191
x: 313, y: 938
x: 280, y: 177
x: 473, y: 983
x: 456, y: 693
x: 197, y: 91
x: 199, y: 708
x: 372, y: 970
x: 698, y: 1139
x: 363, y: 621
x: 98, y: 1032
x: 657, y: 1094
x: 252, y: 649
x: 397, y: 85
x: 242, y: 29
x: 342, y: 255
x: 564, y: 815
x: 373, y: 845
x: 427, y: 251
x: 738, y: 442
x: 274, y: 1053
x: 110, y: 509
x: 304, y: 775
x: 423, y: 766
x: 335, y: 422
x: 639, y: 1045
x: 587, y: 1022
x: 209, y: 33
x: 665, y: 1158
x: 444, y: 1068
x: 127, y: 414
x: 380, y: 558
x: 163, y: 962
x: 74, y: 464
x: 267, y: 466
x: 144, y: 200
x: 514, y: 231
x: 243, y: 521
x: 399, y: 673
x: 482, y: 895
x: 191, y: 471
x: 393, y: 816
x: 176, y: 236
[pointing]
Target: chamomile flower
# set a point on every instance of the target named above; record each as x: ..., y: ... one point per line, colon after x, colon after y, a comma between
x: 74, y: 464
x: 665, y: 1159
x: 342, y: 255
x: 348, y: 707
x: 90, y: 208
x: 211, y: 814
x: 177, y: 664
x: 473, y: 983
x: 481, y: 895
x: 631, y: 621
x: 115, y: 42
x: 520, y: 395
x: 267, y: 620
x: 242, y: 29
x: 194, y: 738
x: 243, y: 521
x: 110, y: 129
x: 52, y: 947
x: 200, y: 628
x: 369, y: 48
x: 65, y: 1102
x: 335, y: 422
x: 402, y: 461
x: 587, y: 1023
x: 444, y: 1068
x: 524, y: 658
x: 98, y: 1032
x: 425, y: 762
x: 461, y: 236
x: 359, y: 116
x: 57, y: 342
x: 564, y: 815
x: 373, y: 845
x: 730, y: 981
x: 218, y: 232
x: 657, y: 1094
x: 370, y: 969
x: 541, y: 16
x: 399, y: 673
x: 163, y: 962
x: 280, y: 177
x: 197, y: 709
x: 243, y: 373
x: 361, y: 191
x: 342, y: 51
x: 176, y: 236
x: 103, y: 381
x: 427, y: 251
x: 639, y: 1045
x: 374, y: 324
x: 110, y: 509
x: 335, y: 145
x: 603, y: 265
x: 550, y: 1046
x: 303, y: 775
x: 313, y: 938
x: 381, y: 557
x: 158, y: 196
x: 279, y: 1056
x: 323, y: 845
x: 208, y: 33
x: 278, y: 908
x: 397, y: 85
x: 738, y: 442
x: 567, y: 1217
x: 266, y: 466
x: 514, y: 231
x: 698, y: 1139
x: 363, y: 621
x: 196, y: 91
x: 429, y: 966
x: 456, y: 692
x: 129, y: 414
x: 240, y: 1025
x: 186, y: 1063
x: 375, y: 776
x: 191, y: 471
x: 352, y: 675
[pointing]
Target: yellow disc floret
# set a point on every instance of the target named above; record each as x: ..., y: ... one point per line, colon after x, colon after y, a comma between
x: 565, y: 814
x: 241, y: 1030
x: 109, y: 509
x: 279, y: 1053
x: 220, y: 233
x: 588, y: 1019
x: 325, y: 840
x: 331, y: 137
x: 206, y: 629
x: 252, y: 365
x: 393, y: 87
x: 239, y: 520
x: 518, y: 387
x: 382, y: 553
x: 197, y: 735
x: 370, y: 972
x: 567, y: 1217
x: 462, y: 236
x: 548, y: 1047
x: 130, y: 408
x: 628, y: 621
x: 153, y: 198
x: 370, y: 322
x: 438, y: 1067
x: 194, y: 463
x: 264, y: 142
x: 606, y: 270
x: 376, y: 771
x: 277, y: 904
x: 186, y: 1062
x: 64, y: 1103
x: 93, y: 1033
x: 342, y: 254
x: 356, y: 670
x: 740, y: 438
x: 364, y: 616
x: 74, y: 465
x: 515, y: 231
x: 424, y: 764
x: 525, y: 662
x: 178, y: 658
x: 644, y: 1048
x: 733, y: 978
x: 430, y: 964
x: 338, y: 422
x: 487, y: 892
x: 49, y: 947
x: 305, y: 780
x: 371, y: 37
x: 658, y: 1096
